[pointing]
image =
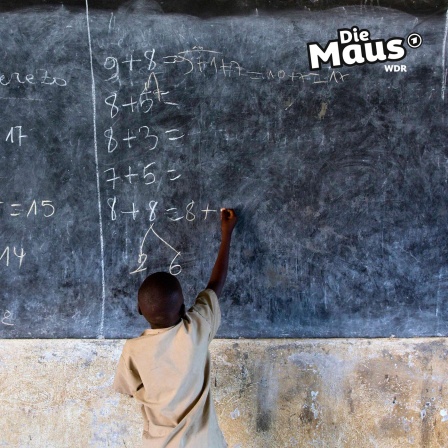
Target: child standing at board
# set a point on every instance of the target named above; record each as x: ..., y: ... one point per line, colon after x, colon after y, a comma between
x: 167, y: 368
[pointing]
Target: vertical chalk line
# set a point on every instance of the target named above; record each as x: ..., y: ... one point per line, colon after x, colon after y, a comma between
x: 444, y: 57
x: 103, y: 281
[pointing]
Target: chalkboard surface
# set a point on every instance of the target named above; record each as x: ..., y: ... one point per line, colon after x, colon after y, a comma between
x: 123, y: 132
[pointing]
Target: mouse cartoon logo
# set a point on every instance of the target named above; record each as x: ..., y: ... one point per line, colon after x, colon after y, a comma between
x: 355, y: 47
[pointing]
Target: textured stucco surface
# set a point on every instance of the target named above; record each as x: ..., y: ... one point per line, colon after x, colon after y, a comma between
x: 382, y: 393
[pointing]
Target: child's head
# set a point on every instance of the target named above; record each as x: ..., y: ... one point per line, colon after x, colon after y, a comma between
x: 160, y: 300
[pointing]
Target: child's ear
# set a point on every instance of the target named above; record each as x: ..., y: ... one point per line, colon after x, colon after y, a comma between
x: 182, y: 310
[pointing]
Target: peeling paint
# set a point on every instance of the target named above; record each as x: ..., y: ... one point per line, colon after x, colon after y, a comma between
x: 235, y: 414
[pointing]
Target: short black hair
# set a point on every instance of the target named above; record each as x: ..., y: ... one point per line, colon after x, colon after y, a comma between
x: 160, y: 297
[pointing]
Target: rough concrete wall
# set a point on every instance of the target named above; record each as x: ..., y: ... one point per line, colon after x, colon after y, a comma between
x: 383, y: 393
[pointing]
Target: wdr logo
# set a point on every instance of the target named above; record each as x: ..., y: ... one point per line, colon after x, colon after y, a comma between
x: 354, y: 47
x: 395, y: 68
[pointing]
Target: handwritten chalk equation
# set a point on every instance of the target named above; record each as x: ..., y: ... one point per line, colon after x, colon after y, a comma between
x: 199, y: 60
x: 140, y: 102
x: 44, y: 208
x: 141, y: 64
x: 175, y: 269
x: 153, y: 210
x: 146, y: 175
x: 189, y: 214
x: 12, y: 256
x: 144, y: 137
